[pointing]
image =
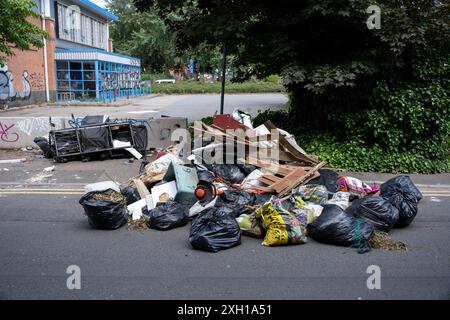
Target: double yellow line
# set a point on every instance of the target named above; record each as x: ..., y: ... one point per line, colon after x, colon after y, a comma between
x: 42, y: 191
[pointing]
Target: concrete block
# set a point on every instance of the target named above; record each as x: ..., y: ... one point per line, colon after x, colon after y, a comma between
x: 19, y: 132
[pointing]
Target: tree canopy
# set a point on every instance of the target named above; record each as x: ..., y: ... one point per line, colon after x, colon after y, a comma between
x: 383, y: 89
x: 147, y: 36
x: 318, y: 43
x: 16, y: 31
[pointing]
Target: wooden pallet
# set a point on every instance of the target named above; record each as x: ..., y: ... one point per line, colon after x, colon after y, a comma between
x: 286, y: 178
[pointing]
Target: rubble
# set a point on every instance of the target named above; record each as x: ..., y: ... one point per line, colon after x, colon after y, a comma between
x: 284, y: 200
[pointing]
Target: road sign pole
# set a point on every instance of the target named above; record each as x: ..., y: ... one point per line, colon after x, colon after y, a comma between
x: 224, y: 66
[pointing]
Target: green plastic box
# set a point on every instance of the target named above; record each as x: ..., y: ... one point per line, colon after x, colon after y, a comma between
x: 186, y: 180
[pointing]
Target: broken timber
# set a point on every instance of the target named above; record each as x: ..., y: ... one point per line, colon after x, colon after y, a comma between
x: 286, y: 178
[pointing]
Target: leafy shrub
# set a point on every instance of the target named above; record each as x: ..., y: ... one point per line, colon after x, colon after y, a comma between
x: 192, y: 87
x: 354, y: 156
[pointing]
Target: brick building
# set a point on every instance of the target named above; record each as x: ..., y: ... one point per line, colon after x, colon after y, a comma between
x: 76, y: 62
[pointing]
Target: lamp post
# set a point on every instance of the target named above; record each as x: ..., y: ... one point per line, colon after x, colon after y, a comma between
x: 224, y: 66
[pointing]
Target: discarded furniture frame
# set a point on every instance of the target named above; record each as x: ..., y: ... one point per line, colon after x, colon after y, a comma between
x: 94, y: 139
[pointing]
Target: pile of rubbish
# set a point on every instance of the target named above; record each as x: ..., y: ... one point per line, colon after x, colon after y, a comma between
x: 282, y: 204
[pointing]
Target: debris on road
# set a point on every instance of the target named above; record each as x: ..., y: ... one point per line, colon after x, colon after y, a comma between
x: 214, y: 230
x: 7, y: 161
x: 404, y: 195
x: 97, y: 138
x: 381, y: 240
x: 105, y: 210
x: 283, y: 200
x: 49, y: 169
x: 168, y: 215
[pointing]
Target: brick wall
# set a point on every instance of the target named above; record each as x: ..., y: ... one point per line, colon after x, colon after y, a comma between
x: 22, y: 80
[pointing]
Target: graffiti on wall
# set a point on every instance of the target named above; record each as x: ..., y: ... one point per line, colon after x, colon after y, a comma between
x: 125, y: 80
x: 30, y: 125
x: 7, y: 92
x: 6, y: 134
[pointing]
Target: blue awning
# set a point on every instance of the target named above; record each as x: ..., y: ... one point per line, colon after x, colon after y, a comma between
x: 94, y: 54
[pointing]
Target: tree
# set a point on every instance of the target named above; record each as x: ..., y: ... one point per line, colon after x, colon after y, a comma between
x: 16, y: 31
x: 384, y: 87
x: 147, y: 36
x: 143, y: 35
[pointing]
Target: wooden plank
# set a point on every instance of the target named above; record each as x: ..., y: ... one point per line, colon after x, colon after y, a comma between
x: 141, y: 188
x: 316, y: 175
x: 282, y: 170
x: 296, y: 153
x: 265, y: 180
x: 290, y: 179
x: 263, y: 189
x: 300, y: 180
x: 272, y: 177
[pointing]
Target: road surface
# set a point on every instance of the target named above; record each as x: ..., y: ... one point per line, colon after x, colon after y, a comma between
x: 194, y: 106
x: 43, y: 231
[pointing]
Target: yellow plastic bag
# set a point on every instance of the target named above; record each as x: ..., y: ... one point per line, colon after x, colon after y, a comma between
x: 281, y: 226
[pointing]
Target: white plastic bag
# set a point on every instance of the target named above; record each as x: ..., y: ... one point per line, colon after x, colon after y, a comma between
x: 341, y: 199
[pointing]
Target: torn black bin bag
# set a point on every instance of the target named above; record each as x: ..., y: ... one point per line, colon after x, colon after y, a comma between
x: 45, y: 147
x: 404, y: 195
x: 238, y: 201
x: 95, y: 138
x: 335, y: 226
x: 246, y: 168
x: 205, y: 175
x: 104, y: 214
x: 327, y: 178
x: 376, y: 211
x: 131, y: 194
x: 214, y: 230
x: 229, y: 172
x: 140, y: 135
x: 168, y: 215
x: 262, y: 198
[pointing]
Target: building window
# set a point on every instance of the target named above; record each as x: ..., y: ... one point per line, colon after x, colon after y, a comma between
x: 78, y: 27
x: 107, y: 81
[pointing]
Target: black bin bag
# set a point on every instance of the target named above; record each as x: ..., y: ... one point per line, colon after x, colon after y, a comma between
x: 337, y: 227
x: 376, y: 211
x: 168, y: 215
x: 105, y: 215
x: 214, y: 230
x: 44, y: 145
x: 404, y: 195
x: 230, y: 172
x: 237, y: 202
x: 131, y: 194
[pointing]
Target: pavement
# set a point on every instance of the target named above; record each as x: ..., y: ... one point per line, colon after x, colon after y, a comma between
x: 193, y: 106
x: 43, y: 231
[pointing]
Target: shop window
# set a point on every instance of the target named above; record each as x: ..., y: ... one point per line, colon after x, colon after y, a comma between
x: 75, y: 75
x: 63, y: 85
x: 76, y: 85
x: 62, y: 65
x: 89, y: 75
x: 75, y: 65
x: 89, y: 65
x: 62, y: 75
x: 89, y: 85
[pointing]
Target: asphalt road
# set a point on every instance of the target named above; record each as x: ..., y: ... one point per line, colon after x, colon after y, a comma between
x: 194, y: 106
x: 42, y: 234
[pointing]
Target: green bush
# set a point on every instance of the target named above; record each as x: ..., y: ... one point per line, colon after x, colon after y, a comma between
x: 273, y: 78
x: 192, y: 87
x: 396, y: 125
x: 354, y: 156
